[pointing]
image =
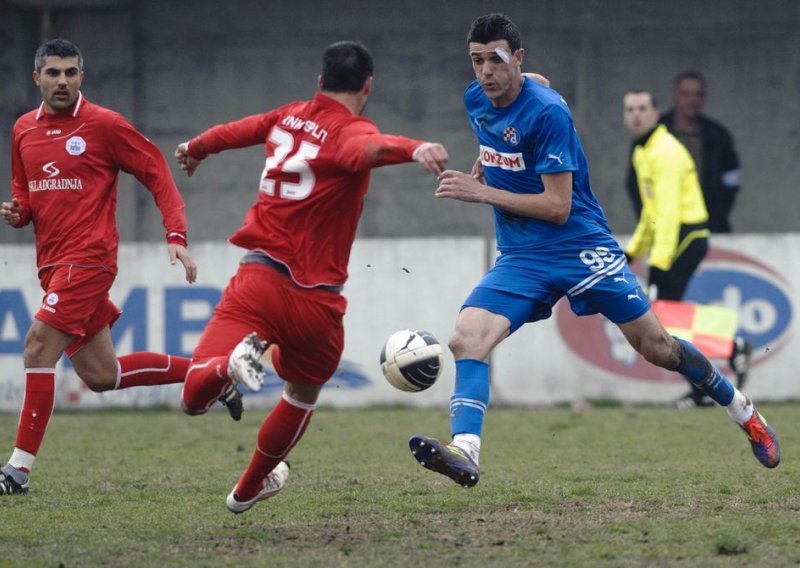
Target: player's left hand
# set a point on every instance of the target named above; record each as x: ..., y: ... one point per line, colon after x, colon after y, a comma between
x: 460, y: 186
x: 179, y: 252
x: 477, y: 170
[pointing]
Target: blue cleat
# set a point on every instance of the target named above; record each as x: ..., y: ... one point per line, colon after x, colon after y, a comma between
x: 763, y: 440
x: 446, y: 459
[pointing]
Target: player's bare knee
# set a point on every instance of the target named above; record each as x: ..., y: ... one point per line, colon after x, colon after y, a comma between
x: 33, y: 353
x: 98, y: 382
x: 460, y: 344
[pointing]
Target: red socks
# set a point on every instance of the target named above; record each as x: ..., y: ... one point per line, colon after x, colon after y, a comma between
x: 205, y: 382
x: 146, y: 369
x: 40, y: 392
x: 280, y: 431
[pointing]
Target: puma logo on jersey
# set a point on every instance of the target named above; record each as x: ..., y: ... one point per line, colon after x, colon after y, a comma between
x: 634, y: 296
x: 50, y: 169
x: 556, y: 158
x: 620, y: 279
x: 503, y: 160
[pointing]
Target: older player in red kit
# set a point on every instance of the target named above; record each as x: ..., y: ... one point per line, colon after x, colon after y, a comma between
x: 66, y: 156
x: 287, y: 291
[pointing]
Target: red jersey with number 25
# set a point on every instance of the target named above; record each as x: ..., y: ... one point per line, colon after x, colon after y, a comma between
x: 64, y: 170
x: 318, y: 161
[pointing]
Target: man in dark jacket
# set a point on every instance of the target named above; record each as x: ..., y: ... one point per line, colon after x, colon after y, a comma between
x: 711, y: 146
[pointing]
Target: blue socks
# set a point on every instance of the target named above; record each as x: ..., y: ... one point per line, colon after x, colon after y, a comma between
x: 702, y: 374
x: 470, y: 398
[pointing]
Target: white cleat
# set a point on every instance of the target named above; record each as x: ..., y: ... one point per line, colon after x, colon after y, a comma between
x: 271, y: 486
x: 244, y: 364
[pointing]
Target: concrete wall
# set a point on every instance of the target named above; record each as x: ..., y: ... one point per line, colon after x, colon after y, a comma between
x: 177, y: 67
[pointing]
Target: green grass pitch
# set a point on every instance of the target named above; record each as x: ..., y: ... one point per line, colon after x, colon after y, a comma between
x: 608, y: 487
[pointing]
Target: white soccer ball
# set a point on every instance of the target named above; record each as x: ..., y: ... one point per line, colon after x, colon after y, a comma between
x: 411, y: 360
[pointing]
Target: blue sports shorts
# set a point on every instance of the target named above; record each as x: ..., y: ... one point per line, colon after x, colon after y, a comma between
x: 589, y: 270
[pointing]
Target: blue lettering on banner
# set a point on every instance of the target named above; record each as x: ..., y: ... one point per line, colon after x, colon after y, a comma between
x: 12, y: 304
x: 176, y: 324
x: 134, y: 318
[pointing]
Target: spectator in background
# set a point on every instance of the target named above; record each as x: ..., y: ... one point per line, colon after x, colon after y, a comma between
x: 709, y: 143
x: 672, y: 225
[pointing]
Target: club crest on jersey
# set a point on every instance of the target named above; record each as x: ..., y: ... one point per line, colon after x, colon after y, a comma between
x: 511, y: 135
x: 76, y: 146
x: 52, y: 299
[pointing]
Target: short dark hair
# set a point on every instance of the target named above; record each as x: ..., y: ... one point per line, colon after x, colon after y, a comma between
x: 58, y: 48
x: 346, y: 66
x: 696, y: 75
x: 493, y: 27
x: 643, y: 92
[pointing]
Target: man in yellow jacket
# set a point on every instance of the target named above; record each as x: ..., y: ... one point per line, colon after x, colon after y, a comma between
x: 672, y: 227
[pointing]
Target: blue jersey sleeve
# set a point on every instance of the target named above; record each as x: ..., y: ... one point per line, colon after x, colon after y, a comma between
x: 554, y: 147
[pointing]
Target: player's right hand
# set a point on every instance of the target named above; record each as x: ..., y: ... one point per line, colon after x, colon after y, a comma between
x: 431, y: 156
x: 11, y: 212
x: 188, y: 164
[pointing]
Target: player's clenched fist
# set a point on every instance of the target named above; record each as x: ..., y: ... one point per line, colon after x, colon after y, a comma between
x: 187, y: 163
x: 10, y: 210
x: 431, y: 156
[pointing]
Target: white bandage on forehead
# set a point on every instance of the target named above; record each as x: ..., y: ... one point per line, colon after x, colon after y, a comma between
x: 502, y: 54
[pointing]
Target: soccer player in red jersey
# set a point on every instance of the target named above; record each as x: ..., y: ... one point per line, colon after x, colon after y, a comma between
x: 66, y: 156
x: 286, y: 294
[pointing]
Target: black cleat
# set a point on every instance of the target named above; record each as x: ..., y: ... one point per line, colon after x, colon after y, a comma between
x: 232, y: 400
x: 9, y: 485
x: 446, y: 459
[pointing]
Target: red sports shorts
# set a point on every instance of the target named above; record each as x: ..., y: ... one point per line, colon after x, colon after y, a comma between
x: 76, y: 301
x: 304, y: 324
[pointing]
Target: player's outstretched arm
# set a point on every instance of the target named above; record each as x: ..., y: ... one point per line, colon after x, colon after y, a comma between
x: 10, y: 211
x: 188, y: 163
x: 179, y: 252
x: 431, y: 156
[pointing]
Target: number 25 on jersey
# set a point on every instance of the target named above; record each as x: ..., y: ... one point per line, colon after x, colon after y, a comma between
x: 286, y: 159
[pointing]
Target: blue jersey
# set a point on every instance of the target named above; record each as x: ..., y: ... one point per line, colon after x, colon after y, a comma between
x: 532, y: 136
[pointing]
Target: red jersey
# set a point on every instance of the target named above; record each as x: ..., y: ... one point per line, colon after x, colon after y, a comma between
x: 64, y: 171
x: 318, y: 161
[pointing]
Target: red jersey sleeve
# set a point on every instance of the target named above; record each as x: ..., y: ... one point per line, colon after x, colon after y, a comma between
x: 248, y: 131
x: 363, y: 147
x: 136, y: 155
x: 19, y: 182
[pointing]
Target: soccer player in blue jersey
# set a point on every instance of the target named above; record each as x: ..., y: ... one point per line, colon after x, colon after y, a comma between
x: 553, y: 240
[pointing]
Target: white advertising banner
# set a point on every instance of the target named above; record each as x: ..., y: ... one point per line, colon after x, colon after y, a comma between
x: 421, y: 283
